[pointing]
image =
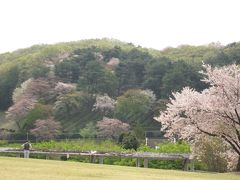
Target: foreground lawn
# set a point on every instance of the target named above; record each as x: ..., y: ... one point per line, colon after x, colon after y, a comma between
x: 34, y: 169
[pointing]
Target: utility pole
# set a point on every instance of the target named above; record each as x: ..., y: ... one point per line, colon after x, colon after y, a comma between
x: 146, y: 139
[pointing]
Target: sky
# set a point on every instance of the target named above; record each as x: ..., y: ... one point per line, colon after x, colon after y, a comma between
x: 149, y: 23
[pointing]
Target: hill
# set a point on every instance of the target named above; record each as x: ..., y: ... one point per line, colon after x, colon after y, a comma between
x: 76, y: 83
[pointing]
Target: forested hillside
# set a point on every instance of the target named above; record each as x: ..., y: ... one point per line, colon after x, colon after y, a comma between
x: 78, y: 86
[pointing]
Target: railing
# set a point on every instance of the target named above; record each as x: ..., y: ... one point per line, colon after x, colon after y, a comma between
x: 93, y: 155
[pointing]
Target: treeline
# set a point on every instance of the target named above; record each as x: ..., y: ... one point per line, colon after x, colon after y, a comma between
x: 76, y: 83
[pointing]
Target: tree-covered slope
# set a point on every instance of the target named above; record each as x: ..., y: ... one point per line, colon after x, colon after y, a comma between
x: 79, y: 82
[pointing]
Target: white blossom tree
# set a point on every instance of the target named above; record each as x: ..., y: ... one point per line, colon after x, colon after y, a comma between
x: 214, y: 111
x: 64, y: 88
x: 104, y: 103
x: 150, y: 94
x: 20, y: 91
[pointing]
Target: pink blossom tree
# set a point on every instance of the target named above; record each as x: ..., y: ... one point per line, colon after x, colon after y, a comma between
x: 20, y: 109
x: 111, y: 128
x: 46, y: 129
x: 214, y: 111
x: 25, y: 97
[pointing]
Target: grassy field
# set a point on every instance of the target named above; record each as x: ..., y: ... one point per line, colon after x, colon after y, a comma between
x: 34, y: 169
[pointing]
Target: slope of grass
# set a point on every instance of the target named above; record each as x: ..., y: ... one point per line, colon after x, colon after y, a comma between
x: 29, y: 169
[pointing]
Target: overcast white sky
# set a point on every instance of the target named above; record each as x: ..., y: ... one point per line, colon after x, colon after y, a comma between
x: 149, y: 23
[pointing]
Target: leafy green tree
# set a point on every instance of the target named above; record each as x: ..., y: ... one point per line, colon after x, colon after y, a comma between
x: 89, y: 131
x: 135, y: 53
x: 216, y: 58
x: 83, y: 56
x: 93, y: 77
x: 33, y: 69
x: 75, y: 110
x: 232, y: 52
x: 134, y: 107
x: 180, y: 75
x: 130, y: 74
x: 116, y: 52
x: 40, y: 71
x: 98, y: 80
x: 40, y: 111
x: 155, y: 71
x: 8, y: 83
x: 68, y: 71
x: 110, y: 83
x: 68, y: 105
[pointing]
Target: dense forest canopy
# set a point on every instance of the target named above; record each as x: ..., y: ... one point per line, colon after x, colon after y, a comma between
x: 63, y: 82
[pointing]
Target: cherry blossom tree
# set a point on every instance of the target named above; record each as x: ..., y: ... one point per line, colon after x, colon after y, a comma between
x: 25, y: 97
x: 64, y: 88
x: 46, y: 129
x: 214, y: 111
x: 20, y: 109
x: 104, y: 103
x: 111, y: 128
x: 20, y: 91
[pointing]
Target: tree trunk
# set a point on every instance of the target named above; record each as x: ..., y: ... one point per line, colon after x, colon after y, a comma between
x: 238, y: 164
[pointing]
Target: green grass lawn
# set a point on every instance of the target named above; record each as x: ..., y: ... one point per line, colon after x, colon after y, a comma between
x: 34, y: 169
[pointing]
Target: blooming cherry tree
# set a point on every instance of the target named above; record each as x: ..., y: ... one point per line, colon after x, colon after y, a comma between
x: 20, y: 91
x: 214, y: 111
x: 46, y: 129
x: 64, y: 88
x: 111, y: 128
x: 25, y: 97
x: 104, y: 103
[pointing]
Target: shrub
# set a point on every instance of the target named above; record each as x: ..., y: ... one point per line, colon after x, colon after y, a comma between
x: 212, y: 152
x: 128, y: 141
x: 167, y: 147
x: 126, y: 162
x: 3, y: 142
